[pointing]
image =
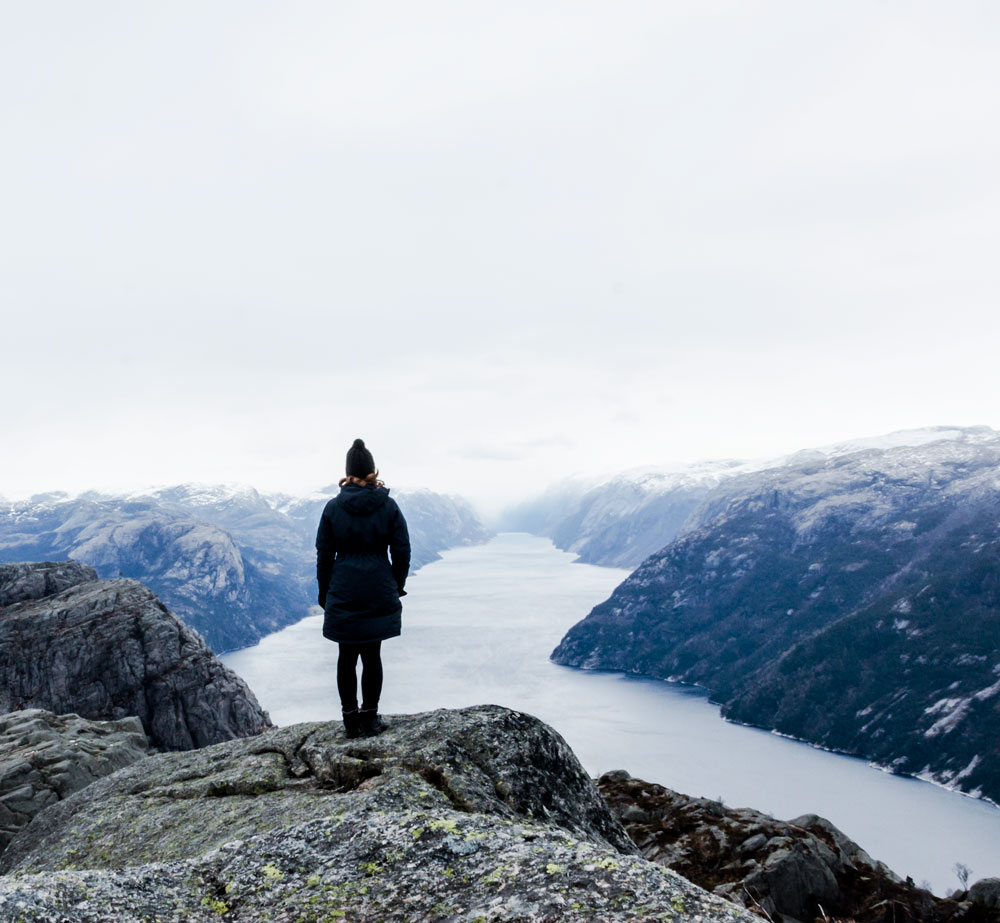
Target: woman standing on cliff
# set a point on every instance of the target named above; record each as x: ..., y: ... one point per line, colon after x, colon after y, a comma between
x: 359, y: 589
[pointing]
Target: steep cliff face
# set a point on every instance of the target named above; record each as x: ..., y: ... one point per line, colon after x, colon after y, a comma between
x: 852, y: 600
x: 109, y: 649
x: 234, y: 564
x: 477, y: 814
x: 439, y: 521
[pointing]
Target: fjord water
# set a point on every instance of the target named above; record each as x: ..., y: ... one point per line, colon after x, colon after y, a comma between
x: 478, y: 627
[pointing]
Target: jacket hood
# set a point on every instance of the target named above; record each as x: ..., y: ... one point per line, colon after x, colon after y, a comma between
x: 356, y: 499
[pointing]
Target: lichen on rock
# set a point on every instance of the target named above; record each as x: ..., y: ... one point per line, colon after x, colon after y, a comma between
x: 476, y: 814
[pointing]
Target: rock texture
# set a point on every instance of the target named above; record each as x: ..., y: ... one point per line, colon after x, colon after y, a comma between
x: 24, y: 580
x: 849, y: 599
x: 803, y: 869
x: 481, y: 814
x: 986, y: 891
x: 109, y: 649
x: 46, y: 757
x: 234, y: 564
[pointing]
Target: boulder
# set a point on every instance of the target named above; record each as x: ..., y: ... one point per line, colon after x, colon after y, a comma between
x: 109, y: 649
x: 46, y: 757
x: 986, y: 891
x: 476, y: 814
x: 794, y: 881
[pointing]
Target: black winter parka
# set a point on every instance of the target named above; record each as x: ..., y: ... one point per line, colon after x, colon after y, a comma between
x: 359, y: 589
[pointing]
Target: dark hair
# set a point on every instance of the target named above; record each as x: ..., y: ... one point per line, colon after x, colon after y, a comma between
x: 370, y: 480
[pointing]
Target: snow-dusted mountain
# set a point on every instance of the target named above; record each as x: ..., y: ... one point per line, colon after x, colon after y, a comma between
x: 233, y: 563
x: 435, y: 521
x: 618, y: 520
x: 848, y: 595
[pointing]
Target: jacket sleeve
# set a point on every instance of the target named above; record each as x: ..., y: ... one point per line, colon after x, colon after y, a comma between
x: 399, y: 547
x: 325, y: 554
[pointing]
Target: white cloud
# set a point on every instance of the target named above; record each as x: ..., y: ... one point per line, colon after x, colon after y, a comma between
x: 499, y: 243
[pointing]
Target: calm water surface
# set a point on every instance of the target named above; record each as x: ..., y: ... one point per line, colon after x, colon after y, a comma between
x: 478, y: 627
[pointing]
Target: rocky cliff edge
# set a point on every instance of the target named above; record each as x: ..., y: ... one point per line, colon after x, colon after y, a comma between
x: 480, y: 814
x: 109, y: 649
x: 802, y: 869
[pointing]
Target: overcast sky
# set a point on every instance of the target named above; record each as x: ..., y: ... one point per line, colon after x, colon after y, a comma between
x: 500, y: 242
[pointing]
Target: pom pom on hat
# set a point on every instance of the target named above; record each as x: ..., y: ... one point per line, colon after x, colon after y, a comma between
x: 359, y: 460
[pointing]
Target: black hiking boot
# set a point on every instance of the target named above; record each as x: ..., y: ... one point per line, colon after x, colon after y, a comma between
x: 352, y: 724
x: 371, y: 722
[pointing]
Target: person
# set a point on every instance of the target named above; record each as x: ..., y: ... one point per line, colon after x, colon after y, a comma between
x: 359, y: 589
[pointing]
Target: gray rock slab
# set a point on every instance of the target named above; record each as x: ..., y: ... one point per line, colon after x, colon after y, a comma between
x: 477, y: 814
x: 36, y: 580
x: 46, y: 757
x: 986, y: 891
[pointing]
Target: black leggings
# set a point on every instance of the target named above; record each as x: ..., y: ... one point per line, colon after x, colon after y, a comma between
x: 371, y: 675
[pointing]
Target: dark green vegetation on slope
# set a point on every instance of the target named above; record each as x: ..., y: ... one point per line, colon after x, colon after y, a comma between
x: 851, y: 601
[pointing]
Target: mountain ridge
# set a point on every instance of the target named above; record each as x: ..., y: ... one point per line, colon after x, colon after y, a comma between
x: 225, y: 558
x: 618, y: 519
x: 851, y: 600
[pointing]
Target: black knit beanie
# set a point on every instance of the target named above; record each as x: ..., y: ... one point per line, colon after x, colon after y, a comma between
x: 359, y: 460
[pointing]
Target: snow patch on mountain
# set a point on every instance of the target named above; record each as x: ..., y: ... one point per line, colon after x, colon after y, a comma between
x: 952, y: 712
x: 988, y: 692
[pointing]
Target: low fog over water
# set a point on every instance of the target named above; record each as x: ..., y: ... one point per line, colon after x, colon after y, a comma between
x: 478, y: 627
